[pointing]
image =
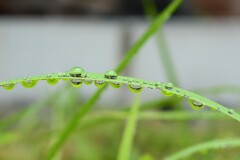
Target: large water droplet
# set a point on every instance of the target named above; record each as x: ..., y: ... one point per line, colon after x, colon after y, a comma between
x: 195, y: 104
x: 166, y: 91
x: 29, y: 83
x: 110, y: 75
x: 169, y: 86
x: 9, y: 86
x: 77, y: 72
x: 52, y: 81
x: 99, y: 83
x: 135, y: 88
x: 87, y: 81
x: 116, y: 84
x: 76, y: 83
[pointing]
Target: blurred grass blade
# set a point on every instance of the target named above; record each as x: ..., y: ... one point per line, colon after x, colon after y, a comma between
x: 71, y: 126
x: 153, y: 28
x: 129, y: 132
x: 216, y: 144
x: 171, y: 74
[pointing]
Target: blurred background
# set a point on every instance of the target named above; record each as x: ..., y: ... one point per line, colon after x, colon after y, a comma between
x: 45, y: 36
x: 38, y: 37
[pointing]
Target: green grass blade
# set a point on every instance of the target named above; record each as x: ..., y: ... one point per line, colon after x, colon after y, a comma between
x: 216, y: 144
x: 153, y: 28
x: 129, y: 132
x: 171, y: 74
x: 160, y: 20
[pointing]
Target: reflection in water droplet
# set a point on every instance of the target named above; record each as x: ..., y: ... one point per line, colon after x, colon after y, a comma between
x: 135, y: 88
x: 110, y: 75
x: 195, y: 104
x: 29, y: 83
x: 116, y: 84
x: 76, y: 83
x: 52, y: 81
x: 166, y: 93
x: 169, y: 86
x: 99, y: 83
x: 9, y: 86
x: 87, y: 81
x: 77, y: 72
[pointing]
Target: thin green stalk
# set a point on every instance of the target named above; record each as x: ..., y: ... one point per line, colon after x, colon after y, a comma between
x: 153, y: 28
x: 71, y: 126
x: 129, y: 132
x: 216, y: 144
x: 171, y: 74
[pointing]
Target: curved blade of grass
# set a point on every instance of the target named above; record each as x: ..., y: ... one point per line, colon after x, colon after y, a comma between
x: 171, y: 74
x: 216, y: 144
x: 129, y: 132
x: 69, y: 128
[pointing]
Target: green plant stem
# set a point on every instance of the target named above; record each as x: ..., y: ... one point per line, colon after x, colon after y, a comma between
x: 153, y: 28
x: 69, y: 128
x: 129, y: 132
x: 171, y: 74
x: 216, y: 144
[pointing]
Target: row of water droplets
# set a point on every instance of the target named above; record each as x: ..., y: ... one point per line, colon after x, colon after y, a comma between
x: 79, y: 73
x: 133, y: 85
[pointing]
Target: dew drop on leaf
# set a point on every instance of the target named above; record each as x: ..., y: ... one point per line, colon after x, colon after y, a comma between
x: 166, y: 93
x: 116, y: 84
x: 76, y: 83
x: 52, y: 81
x: 87, y: 81
x: 29, y: 83
x: 110, y: 75
x: 169, y: 86
x: 9, y: 86
x: 77, y: 72
x: 135, y: 88
x: 195, y: 104
x: 99, y: 83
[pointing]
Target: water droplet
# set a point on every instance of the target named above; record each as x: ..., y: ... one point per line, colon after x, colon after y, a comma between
x: 166, y: 93
x: 99, y: 83
x: 87, y: 81
x: 77, y: 72
x: 110, y: 75
x: 29, y: 83
x: 135, y: 88
x: 116, y: 84
x: 52, y: 81
x: 9, y: 86
x: 76, y: 83
x: 169, y: 86
x: 230, y: 111
x: 195, y: 104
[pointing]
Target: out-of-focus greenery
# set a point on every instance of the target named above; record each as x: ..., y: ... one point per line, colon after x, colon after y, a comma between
x: 28, y: 135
